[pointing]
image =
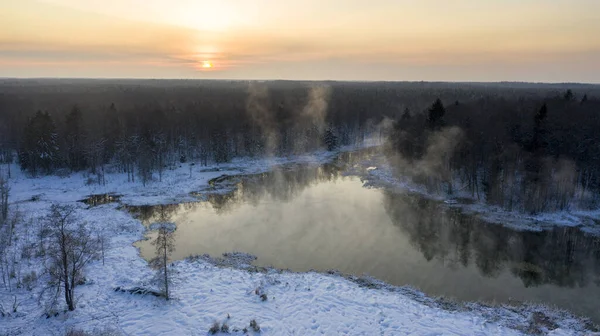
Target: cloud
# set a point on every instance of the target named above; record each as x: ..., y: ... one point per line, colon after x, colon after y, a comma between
x: 384, y: 40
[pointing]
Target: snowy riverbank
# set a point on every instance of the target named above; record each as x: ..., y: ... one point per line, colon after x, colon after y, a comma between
x: 380, y: 174
x: 205, y: 292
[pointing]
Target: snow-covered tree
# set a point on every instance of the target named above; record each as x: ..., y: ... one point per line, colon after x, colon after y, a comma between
x: 4, y: 191
x: 330, y: 139
x: 71, y: 248
x: 165, y: 245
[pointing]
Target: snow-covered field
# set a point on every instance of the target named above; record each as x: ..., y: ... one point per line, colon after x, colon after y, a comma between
x: 206, y: 291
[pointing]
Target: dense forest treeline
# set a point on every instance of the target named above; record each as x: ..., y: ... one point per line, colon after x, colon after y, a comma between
x: 518, y: 145
x: 521, y: 153
x: 146, y: 128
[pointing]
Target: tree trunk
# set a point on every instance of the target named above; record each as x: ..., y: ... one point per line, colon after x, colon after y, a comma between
x: 165, y: 265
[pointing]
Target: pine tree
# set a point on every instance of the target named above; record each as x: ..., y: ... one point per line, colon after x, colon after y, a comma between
x: 220, y: 145
x: 330, y: 139
x: 4, y: 192
x: 165, y: 245
x: 75, y: 138
x: 39, y: 150
x: 112, y: 132
x: 569, y: 95
x: 435, y: 115
x: 405, y: 116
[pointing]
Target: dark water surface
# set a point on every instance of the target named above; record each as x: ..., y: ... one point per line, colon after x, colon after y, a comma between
x: 314, y: 217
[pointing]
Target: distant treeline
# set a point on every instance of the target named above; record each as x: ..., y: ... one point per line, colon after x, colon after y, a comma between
x: 145, y: 126
x: 522, y: 153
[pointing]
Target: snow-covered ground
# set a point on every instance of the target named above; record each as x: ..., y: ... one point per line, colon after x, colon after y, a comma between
x: 380, y: 174
x: 205, y: 291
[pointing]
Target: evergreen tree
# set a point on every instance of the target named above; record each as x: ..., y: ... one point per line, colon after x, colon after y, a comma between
x: 4, y: 192
x: 39, y: 150
x: 220, y: 145
x: 405, y: 116
x: 75, y: 140
x: 569, y: 95
x: 112, y: 132
x: 330, y: 139
x: 165, y: 245
x: 407, y: 136
x: 435, y: 115
x: 144, y: 159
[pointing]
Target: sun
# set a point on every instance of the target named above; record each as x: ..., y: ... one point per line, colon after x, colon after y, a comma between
x: 207, y: 64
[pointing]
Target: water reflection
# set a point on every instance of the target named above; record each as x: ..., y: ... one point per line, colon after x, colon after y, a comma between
x: 314, y: 217
x: 563, y: 256
x: 99, y: 199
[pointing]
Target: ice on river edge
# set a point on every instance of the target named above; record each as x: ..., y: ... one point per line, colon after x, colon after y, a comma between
x: 206, y: 291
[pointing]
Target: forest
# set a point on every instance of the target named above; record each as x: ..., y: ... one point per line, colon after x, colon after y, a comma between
x: 532, y: 154
x: 521, y: 146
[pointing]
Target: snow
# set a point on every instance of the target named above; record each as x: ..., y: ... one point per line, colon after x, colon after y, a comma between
x: 380, y: 174
x: 207, y: 290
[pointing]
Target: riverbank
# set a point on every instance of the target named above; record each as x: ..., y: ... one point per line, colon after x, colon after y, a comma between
x: 380, y: 174
x: 207, y: 290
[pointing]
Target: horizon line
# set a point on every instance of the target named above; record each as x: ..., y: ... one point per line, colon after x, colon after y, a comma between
x: 296, y: 80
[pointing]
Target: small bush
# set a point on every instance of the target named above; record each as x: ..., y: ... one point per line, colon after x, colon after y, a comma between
x: 254, y: 326
x: 214, y: 328
x: 62, y: 172
x: 27, y: 251
x: 29, y: 280
x: 91, y: 181
x: 76, y: 332
x: 225, y: 328
x: 81, y: 281
x: 261, y: 293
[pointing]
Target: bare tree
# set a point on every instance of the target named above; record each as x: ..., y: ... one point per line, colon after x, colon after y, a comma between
x: 4, y: 191
x: 94, y: 154
x: 102, y: 243
x: 5, y: 232
x: 5, y: 242
x: 165, y: 244
x: 71, y: 248
x: 10, y: 254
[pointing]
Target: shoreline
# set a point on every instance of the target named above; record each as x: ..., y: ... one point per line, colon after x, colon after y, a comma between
x: 229, y: 287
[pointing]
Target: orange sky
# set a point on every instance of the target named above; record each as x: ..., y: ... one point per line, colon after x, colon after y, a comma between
x: 452, y: 40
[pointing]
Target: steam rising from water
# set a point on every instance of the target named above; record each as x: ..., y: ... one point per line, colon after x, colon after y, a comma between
x: 311, y: 122
x: 532, y: 182
x: 434, y: 165
x: 310, y: 119
x: 316, y: 107
x: 258, y: 107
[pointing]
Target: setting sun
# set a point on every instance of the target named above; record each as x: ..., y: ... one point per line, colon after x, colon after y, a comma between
x: 207, y: 64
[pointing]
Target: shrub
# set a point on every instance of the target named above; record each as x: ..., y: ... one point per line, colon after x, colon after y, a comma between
x: 225, y: 328
x: 29, y: 280
x: 254, y: 326
x: 214, y: 328
x: 76, y: 332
